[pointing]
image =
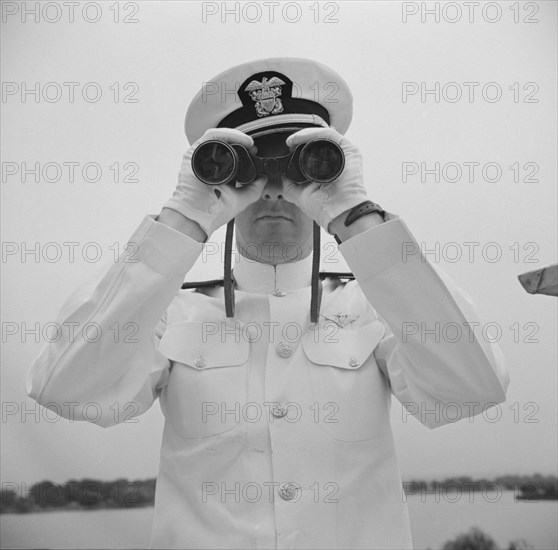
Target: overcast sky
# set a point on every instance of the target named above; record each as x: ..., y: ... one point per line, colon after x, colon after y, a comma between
x: 162, y: 61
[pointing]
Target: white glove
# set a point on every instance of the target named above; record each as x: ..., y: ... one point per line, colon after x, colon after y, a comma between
x: 323, y: 202
x: 213, y: 206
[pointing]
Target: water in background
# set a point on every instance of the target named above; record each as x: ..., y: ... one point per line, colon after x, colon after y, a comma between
x: 433, y: 523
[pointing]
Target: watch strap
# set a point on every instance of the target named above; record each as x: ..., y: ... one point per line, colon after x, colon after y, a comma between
x: 366, y: 207
x: 362, y: 209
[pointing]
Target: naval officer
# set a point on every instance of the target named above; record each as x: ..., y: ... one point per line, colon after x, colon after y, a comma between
x: 276, y: 394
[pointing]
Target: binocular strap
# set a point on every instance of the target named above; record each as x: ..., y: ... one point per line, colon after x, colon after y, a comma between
x: 228, y: 279
x: 316, y: 297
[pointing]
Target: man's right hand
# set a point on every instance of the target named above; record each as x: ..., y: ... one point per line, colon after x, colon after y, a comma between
x: 212, y: 206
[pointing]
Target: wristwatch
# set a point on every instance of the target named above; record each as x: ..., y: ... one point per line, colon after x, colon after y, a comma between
x: 366, y: 207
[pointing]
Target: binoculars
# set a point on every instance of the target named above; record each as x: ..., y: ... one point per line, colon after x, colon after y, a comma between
x: 215, y: 162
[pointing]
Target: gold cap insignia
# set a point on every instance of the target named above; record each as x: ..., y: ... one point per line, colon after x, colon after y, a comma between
x: 266, y: 95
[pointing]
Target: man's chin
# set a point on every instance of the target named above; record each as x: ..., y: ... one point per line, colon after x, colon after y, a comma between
x: 278, y: 233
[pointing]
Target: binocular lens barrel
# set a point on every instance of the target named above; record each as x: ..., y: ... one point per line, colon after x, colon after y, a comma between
x: 322, y: 160
x: 216, y: 163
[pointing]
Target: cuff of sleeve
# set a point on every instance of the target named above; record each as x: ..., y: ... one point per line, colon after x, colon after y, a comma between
x: 194, y: 214
x: 163, y: 248
x: 378, y: 248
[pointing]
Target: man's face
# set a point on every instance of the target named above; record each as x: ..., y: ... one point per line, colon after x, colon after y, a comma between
x: 273, y: 230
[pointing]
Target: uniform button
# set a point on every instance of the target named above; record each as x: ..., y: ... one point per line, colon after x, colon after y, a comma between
x: 280, y: 293
x: 279, y: 410
x: 354, y: 362
x: 284, y: 349
x: 199, y: 362
x: 252, y: 333
x: 288, y: 491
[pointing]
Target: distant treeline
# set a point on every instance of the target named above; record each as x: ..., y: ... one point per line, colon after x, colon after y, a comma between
x: 86, y: 494
x: 93, y: 494
x: 531, y: 487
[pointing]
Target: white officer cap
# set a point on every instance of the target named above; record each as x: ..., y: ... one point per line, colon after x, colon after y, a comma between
x: 270, y: 95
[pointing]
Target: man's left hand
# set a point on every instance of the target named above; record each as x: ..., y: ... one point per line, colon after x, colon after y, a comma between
x: 323, y: 202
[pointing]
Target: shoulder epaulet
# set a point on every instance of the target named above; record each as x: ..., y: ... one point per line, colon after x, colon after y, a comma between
x: 345, y: 275
x: 202, y: 284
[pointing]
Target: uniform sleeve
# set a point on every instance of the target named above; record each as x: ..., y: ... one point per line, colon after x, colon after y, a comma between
x: 106, y: 363
x: 439, y: 365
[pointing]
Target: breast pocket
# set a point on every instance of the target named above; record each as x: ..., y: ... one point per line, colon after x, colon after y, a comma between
x: 348, y: 383
x: 206, y: 389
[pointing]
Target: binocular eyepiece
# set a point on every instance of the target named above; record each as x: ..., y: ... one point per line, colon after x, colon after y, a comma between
x: 216, y: 162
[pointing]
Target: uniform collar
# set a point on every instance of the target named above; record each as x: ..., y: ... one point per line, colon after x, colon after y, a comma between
x: 253, y: 276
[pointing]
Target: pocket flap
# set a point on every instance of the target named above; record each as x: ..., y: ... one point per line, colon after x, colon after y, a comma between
x: 345, y: 348
x: 194, y: 345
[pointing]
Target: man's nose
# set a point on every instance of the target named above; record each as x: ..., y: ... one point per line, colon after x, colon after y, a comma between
x: 273, y: 189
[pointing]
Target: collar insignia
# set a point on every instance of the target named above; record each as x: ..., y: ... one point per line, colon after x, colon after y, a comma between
x: 266, y: 95
x: 341, y: 319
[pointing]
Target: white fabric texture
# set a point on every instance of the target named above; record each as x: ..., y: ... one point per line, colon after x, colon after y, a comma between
x: 222, y: 464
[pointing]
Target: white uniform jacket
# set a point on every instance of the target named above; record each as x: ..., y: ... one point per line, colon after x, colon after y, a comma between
x: 277, y: 433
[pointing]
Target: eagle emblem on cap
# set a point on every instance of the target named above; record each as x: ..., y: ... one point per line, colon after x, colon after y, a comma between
x: 266, y: 95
